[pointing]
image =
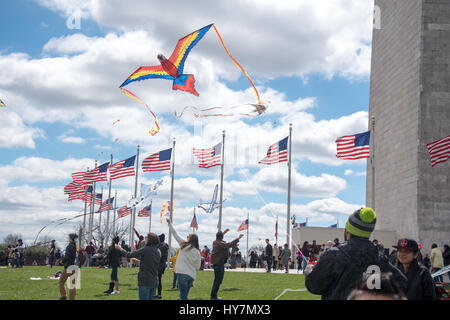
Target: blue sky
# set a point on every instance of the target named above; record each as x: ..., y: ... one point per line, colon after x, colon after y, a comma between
x: 62, y: 96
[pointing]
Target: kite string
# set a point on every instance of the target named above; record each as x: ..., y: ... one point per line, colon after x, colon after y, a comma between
x: 135, y: 97
x: 246, y: 74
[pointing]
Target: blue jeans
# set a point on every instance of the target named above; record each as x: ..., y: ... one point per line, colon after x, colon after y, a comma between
x: 88, y: 260
x: 184, y: 283
x: 438, y: 278
x: 175, y: 276
x: 305, y: 263
x: 219, y: 272
x: 146, y: 293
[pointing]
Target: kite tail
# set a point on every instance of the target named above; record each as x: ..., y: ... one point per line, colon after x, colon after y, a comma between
x: 152, y: 131
x: 248, y: 77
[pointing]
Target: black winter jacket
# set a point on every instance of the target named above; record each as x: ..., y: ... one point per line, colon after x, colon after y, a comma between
x: 269, y: 251
x: 148, y: 267
x: 114, y: 256
x: 69, y: 255
x: 341, y: 268
x: 420, y: 283
x: 164, y: 249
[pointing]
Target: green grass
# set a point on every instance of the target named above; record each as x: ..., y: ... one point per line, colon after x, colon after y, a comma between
x: 15, y: 284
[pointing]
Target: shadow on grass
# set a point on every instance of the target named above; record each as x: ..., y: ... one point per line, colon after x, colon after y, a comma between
x: 231, y: 289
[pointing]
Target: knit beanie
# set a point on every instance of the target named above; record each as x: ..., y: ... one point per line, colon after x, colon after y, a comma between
x: 361, y: 223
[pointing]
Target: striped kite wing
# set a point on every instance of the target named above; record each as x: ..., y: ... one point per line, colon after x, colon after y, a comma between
x: 185, y: 45
x: 143, y: 73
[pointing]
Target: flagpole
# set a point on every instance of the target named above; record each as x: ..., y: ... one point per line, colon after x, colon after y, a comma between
x: 372, y: 149
x: 219, y: 226
x: 171, y: 199
x: 100, y: 219
x: 246, y: 251
x: 133, y: 214
x: 276, y: 232
x: 84, y: 216
x: 150, y: 217
x: 289, y: 188
x: 114, y: 215
x: 193, y: 226
x: 91, y: 216
x: 109, y: 197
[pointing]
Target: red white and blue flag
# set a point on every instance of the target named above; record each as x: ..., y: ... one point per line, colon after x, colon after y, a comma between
x: 121, y: 169
x: 124, y: 211
x: 145, y: 211
x: 159, y: 161
x: 107, y: 205
x: 210, y: 157
x: 439, y: 150
x: 353, y: 147
x: 96, y: 175
x: 79, y: 194
x: 277, y: 152
x: 78, y: 176
x: 194, y: 223
x: 243, y: 226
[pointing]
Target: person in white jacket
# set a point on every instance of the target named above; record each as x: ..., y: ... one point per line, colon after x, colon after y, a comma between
x: 188, y: 261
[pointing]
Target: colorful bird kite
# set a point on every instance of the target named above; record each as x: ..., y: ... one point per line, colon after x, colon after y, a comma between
x: 115, y: 121
x: 172, y: 68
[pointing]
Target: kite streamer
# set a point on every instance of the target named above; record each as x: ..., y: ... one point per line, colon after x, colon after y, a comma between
x: 199, y: 113
x: 240, y: 67
x: 152, y: 131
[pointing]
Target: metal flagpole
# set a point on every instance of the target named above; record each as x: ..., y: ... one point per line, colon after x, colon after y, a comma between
x: 276, y: 232
x: 171, y: 200
x: 100, y: 220
x: 83, y: 234
x: 133, y: 215
x: 192, y: 226
x: 150, y: 217
x: 219, y: 226
x: 114, y: 216
x: 289, y: 188
x: 91, y: 221
x: 109, y: 204
x: 246, y: 252
x: 372, y: 150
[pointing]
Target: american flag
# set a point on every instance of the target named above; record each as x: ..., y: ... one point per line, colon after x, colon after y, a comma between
x: 243, y: 226
x: 277, y: 152
x: 276, y: 229
x: 97, y: 174
x: 210, y: 157
x: 73, y: 187
x: 78, y: 193
x: 145, y: 211
x: 194, y: 223
x: 439, y: 151
x: 122, y: 168
x: 353, y: 147
x: 124, y: 211
x: 78, y: 176
x: 107, y: 204
x: 158, y: 161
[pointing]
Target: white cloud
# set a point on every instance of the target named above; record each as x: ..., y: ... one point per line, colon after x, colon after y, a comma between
x: 68, y: 139
x: 15, y: 133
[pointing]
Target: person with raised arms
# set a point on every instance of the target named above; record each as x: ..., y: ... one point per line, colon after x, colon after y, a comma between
x: 188, y: 261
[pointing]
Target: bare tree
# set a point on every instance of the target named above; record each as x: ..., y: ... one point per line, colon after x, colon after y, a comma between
x: 12, y: 238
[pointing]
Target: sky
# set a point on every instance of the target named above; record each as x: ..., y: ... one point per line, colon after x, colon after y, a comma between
x: 62, y: 63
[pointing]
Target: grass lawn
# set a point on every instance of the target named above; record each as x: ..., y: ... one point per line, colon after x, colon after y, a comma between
x: 15, y: 284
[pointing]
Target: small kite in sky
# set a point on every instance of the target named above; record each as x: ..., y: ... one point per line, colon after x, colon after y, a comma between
x: 115, y: 140
x: 2, y: 104
x: 115, y: 122
x: 172, y: 68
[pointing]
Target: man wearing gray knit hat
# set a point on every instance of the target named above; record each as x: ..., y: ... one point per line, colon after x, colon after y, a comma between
x: 340, y: 269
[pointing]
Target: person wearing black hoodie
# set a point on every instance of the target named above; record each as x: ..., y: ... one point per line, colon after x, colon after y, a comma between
x: 68, y: 260
x: 114, y: 257
x: 164, y: 249
x: 420, y: 283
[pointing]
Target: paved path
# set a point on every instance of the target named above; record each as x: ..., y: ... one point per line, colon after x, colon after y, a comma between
x: 259, y: 270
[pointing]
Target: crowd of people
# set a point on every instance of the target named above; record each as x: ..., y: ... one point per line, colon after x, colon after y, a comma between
x: 334, y: 270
